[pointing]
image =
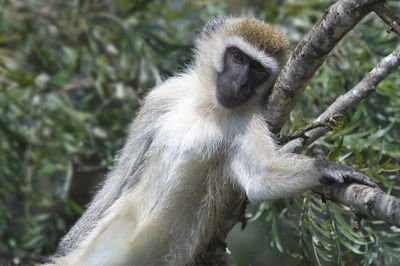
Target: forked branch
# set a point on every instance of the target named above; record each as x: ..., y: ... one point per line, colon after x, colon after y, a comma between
x: 310, y: 54
x: 330, y: 123
x: 345, y: 102
x: 388, y: 17
x: 362, y: 199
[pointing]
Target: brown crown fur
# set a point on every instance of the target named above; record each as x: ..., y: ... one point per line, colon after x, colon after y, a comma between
x: 263, y: 36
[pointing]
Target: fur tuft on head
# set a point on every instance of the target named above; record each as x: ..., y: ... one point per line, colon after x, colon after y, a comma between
x: 254, y: 37
x: 210, y: 27
x: 263, y: 36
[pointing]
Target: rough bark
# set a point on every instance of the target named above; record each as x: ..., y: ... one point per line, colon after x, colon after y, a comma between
x: 310, y: 54
x: 365, y: 200
x: 215, y: 253
x: 347, y: 101
x: 388, y: 17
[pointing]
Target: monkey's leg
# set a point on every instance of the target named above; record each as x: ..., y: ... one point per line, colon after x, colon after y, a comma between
x: 125, y: 237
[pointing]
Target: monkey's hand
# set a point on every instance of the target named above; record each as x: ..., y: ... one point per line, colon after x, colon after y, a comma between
x: 336, y: 173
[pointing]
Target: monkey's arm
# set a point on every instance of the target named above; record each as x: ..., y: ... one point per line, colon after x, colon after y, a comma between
x: 267, y: 174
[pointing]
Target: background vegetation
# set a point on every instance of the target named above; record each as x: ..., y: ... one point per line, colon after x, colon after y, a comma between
x: 73, y: 73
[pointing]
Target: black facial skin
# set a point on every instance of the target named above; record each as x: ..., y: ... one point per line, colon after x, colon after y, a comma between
x: 239, y: 78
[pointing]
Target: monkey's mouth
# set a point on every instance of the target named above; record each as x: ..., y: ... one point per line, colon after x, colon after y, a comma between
x: 234, y: 97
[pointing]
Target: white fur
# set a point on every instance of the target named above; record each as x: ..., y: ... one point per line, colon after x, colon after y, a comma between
x: 236, y: 41
x: 187, y: 161
x: 200, y: 153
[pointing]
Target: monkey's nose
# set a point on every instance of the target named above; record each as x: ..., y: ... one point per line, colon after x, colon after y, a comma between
x: 244, y: 89
x: 242, y: 83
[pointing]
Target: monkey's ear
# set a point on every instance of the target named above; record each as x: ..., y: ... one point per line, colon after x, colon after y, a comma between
x: 212, y: 24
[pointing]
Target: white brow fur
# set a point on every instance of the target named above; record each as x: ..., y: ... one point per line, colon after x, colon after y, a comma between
x: 186, y: 157
x: 236, y: 41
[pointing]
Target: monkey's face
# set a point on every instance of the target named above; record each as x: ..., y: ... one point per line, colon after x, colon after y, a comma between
x: 239, y: 78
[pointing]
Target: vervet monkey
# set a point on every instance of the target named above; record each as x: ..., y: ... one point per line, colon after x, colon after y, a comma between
x: 199, y: 140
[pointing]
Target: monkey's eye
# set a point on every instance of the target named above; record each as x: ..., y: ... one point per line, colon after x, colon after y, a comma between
x: 238, y: 56
x: 258, y: 67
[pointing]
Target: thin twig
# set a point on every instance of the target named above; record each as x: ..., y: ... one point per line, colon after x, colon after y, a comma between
x: 79, y: 86
x: 329, y: 123
x: 310, y: 54
x: 345, y: 102
x: 387, y: 16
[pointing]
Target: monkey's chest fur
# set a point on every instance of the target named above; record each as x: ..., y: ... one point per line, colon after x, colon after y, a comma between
x: 184, y: 185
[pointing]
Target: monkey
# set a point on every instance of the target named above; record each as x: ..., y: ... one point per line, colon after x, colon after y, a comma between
x: 198, y: 141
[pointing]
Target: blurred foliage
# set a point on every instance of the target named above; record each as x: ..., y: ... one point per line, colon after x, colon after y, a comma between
x: 73, y: 73
x: 368, y: 139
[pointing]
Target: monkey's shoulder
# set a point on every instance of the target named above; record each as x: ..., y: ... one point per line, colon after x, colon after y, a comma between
x: 184, y: 125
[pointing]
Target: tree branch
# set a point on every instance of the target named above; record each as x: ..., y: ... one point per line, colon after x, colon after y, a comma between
x: 365, y: 200
x: 330, y: 123
x: 345, y: 102
x: 215, y: 253
x: 388, y: 17
x: 310, y: 54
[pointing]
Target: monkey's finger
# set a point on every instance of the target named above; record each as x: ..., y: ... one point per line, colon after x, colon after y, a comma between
x: 360, y: 178
x: 331, y: 179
